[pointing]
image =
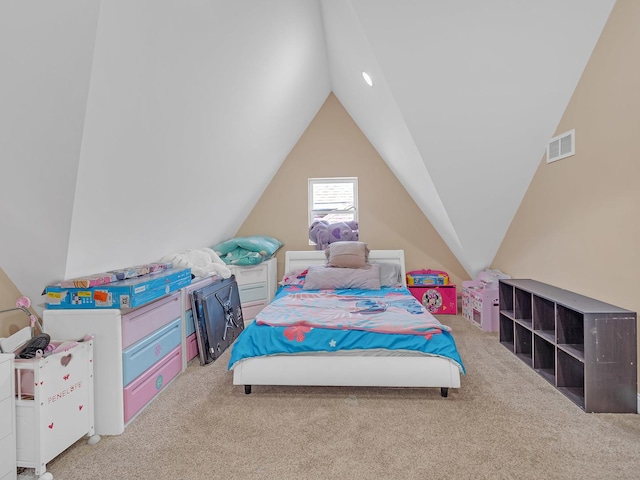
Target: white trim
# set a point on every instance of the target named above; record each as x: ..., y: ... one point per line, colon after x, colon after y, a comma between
x: 311, y: 181
x: 301, y: 259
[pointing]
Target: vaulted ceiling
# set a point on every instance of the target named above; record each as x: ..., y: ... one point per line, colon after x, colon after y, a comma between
x: 106, y: 102
x: 466, y: 96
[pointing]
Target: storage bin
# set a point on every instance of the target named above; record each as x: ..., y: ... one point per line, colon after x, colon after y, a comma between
x: 437, y: 299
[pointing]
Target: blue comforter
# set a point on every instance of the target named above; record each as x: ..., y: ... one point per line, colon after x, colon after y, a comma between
x: 260, y: 340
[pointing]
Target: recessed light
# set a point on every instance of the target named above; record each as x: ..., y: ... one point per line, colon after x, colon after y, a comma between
x: 367, y: 79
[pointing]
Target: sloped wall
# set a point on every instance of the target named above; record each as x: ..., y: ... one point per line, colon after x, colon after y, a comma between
x: 131, y: 130
x: 47, y: 51
x: 193, y: 107
x: 334, y: 146
x: 579, y: 223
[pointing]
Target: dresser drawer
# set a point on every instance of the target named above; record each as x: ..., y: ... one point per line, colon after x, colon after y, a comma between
x: 192, y: 347
x: 252, y: 292
x: 189, y: 325
x: 139, y: 357
x: 5, y: 380
x: 250, y: 274
x: 142, y: 321
x: 143, y: 389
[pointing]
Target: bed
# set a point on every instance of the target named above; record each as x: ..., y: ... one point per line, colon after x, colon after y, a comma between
x: 258, y: 357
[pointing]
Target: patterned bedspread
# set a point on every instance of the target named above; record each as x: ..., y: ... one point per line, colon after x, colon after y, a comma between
x: 422, y: 335
x: 384, y: 311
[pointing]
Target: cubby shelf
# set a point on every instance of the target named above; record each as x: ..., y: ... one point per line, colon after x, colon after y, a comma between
x: 584, y: 347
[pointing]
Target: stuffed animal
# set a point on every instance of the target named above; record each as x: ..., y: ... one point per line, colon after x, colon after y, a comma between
x: 203, y: 262
x: 323, y: 233
x: 319, y: 233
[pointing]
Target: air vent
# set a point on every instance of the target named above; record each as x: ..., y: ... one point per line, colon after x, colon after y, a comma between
x: 562, y: 146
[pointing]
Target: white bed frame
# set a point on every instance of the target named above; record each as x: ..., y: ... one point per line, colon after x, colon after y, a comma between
x: 347, y: 370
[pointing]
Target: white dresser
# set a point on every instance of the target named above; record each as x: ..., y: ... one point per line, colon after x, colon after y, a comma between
x: 137, y: 352
x: 257, y: 285
x: 7, y: 419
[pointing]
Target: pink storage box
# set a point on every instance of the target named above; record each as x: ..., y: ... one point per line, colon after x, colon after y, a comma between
x: 437, y: 299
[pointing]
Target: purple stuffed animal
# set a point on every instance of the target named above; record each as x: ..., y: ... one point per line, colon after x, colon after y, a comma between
x: 323, y: 233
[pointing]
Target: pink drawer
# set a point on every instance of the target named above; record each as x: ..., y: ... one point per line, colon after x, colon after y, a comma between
x: 192, y: 347
x: 142, y: 321
x: 139, y: 392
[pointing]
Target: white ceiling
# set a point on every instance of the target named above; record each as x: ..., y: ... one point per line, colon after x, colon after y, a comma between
x: 133, y: 129
x: 467, y: 94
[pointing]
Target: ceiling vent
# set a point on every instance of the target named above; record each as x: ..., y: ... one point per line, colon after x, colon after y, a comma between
x: 562, y: 146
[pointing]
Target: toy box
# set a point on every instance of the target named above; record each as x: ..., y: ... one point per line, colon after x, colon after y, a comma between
x: 480, y: 300
x: 54, y: 405
x: 437, y: 299
x: 427, y: 277
x: 129, y: 293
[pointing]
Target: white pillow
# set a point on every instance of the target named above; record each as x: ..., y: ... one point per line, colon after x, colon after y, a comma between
x: 389, y: 274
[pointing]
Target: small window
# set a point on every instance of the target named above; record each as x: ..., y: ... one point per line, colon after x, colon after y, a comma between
x: 333, y: 199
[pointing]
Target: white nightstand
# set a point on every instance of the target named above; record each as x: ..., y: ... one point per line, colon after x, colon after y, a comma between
x: 257, y: 286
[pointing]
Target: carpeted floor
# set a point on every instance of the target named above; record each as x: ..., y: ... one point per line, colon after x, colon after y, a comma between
x: 505, y: 422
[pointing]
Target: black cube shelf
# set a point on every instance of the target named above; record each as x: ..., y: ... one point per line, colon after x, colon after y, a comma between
x: 584, y: 347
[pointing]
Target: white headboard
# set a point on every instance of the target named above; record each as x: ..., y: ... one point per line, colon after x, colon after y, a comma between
x: 301, y: 259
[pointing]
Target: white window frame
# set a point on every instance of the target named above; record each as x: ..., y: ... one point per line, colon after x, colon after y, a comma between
x: 315, y: 181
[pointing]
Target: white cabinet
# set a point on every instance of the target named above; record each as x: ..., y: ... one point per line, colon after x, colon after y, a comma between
x: 7, y: 419
x: 137, y: 352
x: 257, y: 286
x: 54, y: 405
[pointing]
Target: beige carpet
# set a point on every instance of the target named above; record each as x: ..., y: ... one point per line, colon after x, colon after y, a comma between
x: 504, y: 422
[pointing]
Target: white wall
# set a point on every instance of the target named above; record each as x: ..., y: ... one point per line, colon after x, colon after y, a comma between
x: 46, y: 50
x: 191, y: 108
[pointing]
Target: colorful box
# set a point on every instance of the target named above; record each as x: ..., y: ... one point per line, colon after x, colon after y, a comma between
x: 427, y: 277
x: 129, y: 293
x: 437, y: 299
x: 97, y: 279
x: 94, y: 280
